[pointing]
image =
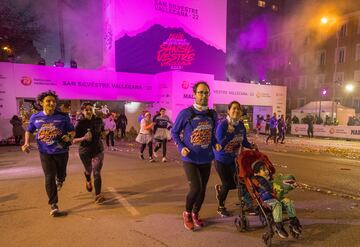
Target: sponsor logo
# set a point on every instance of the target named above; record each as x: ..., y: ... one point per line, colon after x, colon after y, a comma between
x: 258, y: 94
x: 355, y: 132
x: 331, y: 130
x: 185, y: 84
x: 188, y: 96
x: 26, y: 80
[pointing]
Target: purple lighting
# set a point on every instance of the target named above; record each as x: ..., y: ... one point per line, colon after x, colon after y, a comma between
x: 323, y: 92
x: 254, y: 36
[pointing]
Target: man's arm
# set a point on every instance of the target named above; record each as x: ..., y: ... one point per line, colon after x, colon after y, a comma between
x: 26, y: 146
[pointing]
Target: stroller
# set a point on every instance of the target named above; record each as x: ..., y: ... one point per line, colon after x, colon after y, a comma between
x: 244, y: 172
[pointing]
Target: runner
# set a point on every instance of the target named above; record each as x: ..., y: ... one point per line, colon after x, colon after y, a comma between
x: 197, y: 123
x: 54, y: 135
x: 89, y: 131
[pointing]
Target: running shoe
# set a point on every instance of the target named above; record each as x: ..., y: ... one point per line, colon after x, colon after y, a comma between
x: 196, y: 219
x: 188, y: 221
x: 54, y: 211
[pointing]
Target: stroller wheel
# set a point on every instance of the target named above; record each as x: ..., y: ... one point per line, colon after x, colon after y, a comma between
x: 267, y: 239
x: 241, y: 223
x: 293, y: 233
x: 247, y: 223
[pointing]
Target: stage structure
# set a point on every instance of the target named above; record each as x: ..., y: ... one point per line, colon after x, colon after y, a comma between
x: 172, y: 89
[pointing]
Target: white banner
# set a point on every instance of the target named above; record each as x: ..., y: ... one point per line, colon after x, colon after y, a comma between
x: 341, y: 131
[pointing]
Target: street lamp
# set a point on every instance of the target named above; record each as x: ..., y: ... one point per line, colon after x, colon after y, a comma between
x: 326, y: 21
x: 323, y: 94
x: 349, y: 88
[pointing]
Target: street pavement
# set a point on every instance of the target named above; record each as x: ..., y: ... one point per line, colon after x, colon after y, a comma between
x: 145, y: 200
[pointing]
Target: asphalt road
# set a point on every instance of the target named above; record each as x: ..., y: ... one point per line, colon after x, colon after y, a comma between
x: 145, y: 201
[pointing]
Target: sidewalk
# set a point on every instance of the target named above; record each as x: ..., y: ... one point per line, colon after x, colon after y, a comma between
x: 338, y: 148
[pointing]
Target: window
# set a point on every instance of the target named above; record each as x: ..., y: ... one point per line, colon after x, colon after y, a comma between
x: 356, y: 103
x: 302, y: 60
x: 300, y: 102
x: 302, y: 82
x: 357, y: 53
x: 307, y: 40
x: 343, y: 30
x: 288, y: 82
x: 340, y: 55
x: 357, y: 75
x: 321, y: 57
x: 261, y: 4
x: 288, y: 103
x: 275, y: 8
x: 319, y: 80
x: 339, y: 77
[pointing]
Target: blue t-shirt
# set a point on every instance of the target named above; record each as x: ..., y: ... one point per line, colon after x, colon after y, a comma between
x: 230, y: 142
x: 198, y: 135
x: 50, y: 129
x: 273, y: 123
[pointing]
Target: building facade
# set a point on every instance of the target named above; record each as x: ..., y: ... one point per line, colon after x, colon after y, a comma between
x: 318, y: 64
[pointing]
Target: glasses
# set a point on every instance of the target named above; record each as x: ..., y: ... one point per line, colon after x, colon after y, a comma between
x: 206, y: 93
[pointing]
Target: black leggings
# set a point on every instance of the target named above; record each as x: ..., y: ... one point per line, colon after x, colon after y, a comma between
x: 93, y: 165
x: 226, y: 173
x: 122, y: 131
x: 110, y: 136
x: 310, y: 132
x: 54, y: 167
x: 143, y: 146
x: 281, y: 136
x: 159, y: 144
x: 18, y: 139
x: 197, y: 176
x: 272, y: 135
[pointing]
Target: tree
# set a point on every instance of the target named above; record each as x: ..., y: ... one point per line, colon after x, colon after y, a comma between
x: 19, y: 27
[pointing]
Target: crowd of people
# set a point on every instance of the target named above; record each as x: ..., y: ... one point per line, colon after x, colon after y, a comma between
x: 275, y: 128
x: 197, y: 133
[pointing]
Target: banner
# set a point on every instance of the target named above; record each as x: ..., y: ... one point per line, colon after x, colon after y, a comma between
x: 250, y: 94
x: 341, y: 131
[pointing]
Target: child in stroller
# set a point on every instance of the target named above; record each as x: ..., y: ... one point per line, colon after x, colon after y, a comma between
x: 255, y: 173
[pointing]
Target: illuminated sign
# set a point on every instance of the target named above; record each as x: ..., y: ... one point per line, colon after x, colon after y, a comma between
x: 176, y: 52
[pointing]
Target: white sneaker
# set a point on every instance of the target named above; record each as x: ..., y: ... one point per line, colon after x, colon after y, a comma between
x: 164, y: 159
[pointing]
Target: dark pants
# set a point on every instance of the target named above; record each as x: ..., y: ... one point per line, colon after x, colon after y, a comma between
x: 54, y: 167
x: 281, y: 136
x: 18, y: 139
x: 272, y: 135
x: 159, y: 144
x: 226, y: 173
x: 310, y: 132
x: 110, y: 136
x: 122, y: 131
x: 197, y: 176
x: 143, y: 146
x: 93, y: 164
